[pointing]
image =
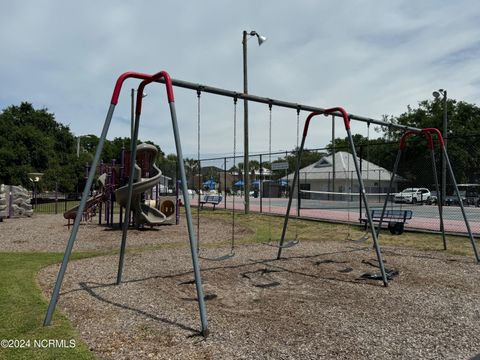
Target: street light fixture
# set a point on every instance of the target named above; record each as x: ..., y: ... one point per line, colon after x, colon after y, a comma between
x: 35, y: 178
x: 246, y: 169
x: 436, y: 95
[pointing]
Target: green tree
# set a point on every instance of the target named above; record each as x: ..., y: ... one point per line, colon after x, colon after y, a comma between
x: 168, y: 165
x: 463, y: 124
x: 308, y: 157
x: 463, y: 134
x: 32, y: 141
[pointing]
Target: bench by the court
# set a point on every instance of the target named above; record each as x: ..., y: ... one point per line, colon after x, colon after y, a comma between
x: 211, y: 199
x: 395, y: 218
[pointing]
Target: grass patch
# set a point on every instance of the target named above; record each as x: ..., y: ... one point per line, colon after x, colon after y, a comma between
x: 23, y: 309
x: 269, y: 228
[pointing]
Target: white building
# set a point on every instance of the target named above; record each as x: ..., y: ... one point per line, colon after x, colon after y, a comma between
x: 324, y: 176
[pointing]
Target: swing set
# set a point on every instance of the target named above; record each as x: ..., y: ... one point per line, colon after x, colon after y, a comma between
x: 429, y: 133
x: 163, y: 77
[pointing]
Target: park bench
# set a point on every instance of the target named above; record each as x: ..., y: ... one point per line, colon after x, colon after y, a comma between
x: 211, y: 199
x: 395, y: 218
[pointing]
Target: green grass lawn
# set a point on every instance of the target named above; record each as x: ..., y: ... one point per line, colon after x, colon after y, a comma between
x: 23, y: 306
x: 269, y: 228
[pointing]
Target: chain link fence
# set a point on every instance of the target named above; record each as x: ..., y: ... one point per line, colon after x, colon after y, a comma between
x: 328, y: 184
x: 329, y: 188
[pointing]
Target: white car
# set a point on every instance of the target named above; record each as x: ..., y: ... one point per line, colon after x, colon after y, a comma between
x: 413, y: 195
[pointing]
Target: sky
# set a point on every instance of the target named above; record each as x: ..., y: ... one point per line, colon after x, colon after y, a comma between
x: 373, y: 58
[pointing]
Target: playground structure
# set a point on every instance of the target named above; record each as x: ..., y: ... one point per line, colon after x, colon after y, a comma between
x: 112, y: 188
x: 102, y: 198
x: 163, y: 77
x: 90, y: 210
x: 144, y: 213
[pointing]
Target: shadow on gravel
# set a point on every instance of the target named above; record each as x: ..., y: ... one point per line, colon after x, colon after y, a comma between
x: 91, y: 292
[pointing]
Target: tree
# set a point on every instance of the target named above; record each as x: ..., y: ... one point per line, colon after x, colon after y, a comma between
x: 32, y: 141
x: 191, y: 167
x: 168, y: 165
x: 308, y: 157
x: 463, y: 124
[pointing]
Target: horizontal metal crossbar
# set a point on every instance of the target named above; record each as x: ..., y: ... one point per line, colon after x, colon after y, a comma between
x: 280, y: 103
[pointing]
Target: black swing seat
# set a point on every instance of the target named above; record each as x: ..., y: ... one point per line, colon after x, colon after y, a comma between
x: 219, y: 258
x: 286, y: 245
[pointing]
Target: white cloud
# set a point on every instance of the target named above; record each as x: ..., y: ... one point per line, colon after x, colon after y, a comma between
x: 371, y: 57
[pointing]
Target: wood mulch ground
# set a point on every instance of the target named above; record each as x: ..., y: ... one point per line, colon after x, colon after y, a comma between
x: 313, y: 304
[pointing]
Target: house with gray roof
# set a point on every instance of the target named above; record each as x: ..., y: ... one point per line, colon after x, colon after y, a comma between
x: 336, y: 173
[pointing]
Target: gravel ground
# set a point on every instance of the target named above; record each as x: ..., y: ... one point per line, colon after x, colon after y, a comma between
x: 311, y: 305
x: 49, y: 233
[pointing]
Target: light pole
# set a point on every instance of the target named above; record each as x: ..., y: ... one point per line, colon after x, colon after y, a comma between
x: 78, y: 146
x: 246, y: 175
x: 35, y: 178
x: 436, y: 95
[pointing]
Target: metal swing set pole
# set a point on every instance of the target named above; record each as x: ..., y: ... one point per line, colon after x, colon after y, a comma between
x: 83, y: 201
x: 295, y: 181
x: 428, y: 132
x: 116, y: 93
x: 279, y: 103
x: 455, y: 186
x: 437, y: 188
x: 362, y: 191
x: 360, y: 182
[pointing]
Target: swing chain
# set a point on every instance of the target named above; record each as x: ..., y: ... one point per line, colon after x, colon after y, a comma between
x: 270, y: 162
x: 199, y: 93
x: 234, y: 161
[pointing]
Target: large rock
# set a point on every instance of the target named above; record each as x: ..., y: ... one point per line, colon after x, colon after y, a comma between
x: 20, y: 201
x: 20, y: 192
x: 21, y: 211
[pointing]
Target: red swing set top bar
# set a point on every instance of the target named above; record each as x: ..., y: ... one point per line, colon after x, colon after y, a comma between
x: 148, y: 78
x: 280, y: 103
x: 344, y: 115
x: 154, y: 78
x: 428, y: 134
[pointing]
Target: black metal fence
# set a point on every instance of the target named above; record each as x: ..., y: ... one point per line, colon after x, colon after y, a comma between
x: 54, y: 203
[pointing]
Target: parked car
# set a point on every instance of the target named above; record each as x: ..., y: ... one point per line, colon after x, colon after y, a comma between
x: 433, y: 199
x: 469, y: 197
x: 413, y: 195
